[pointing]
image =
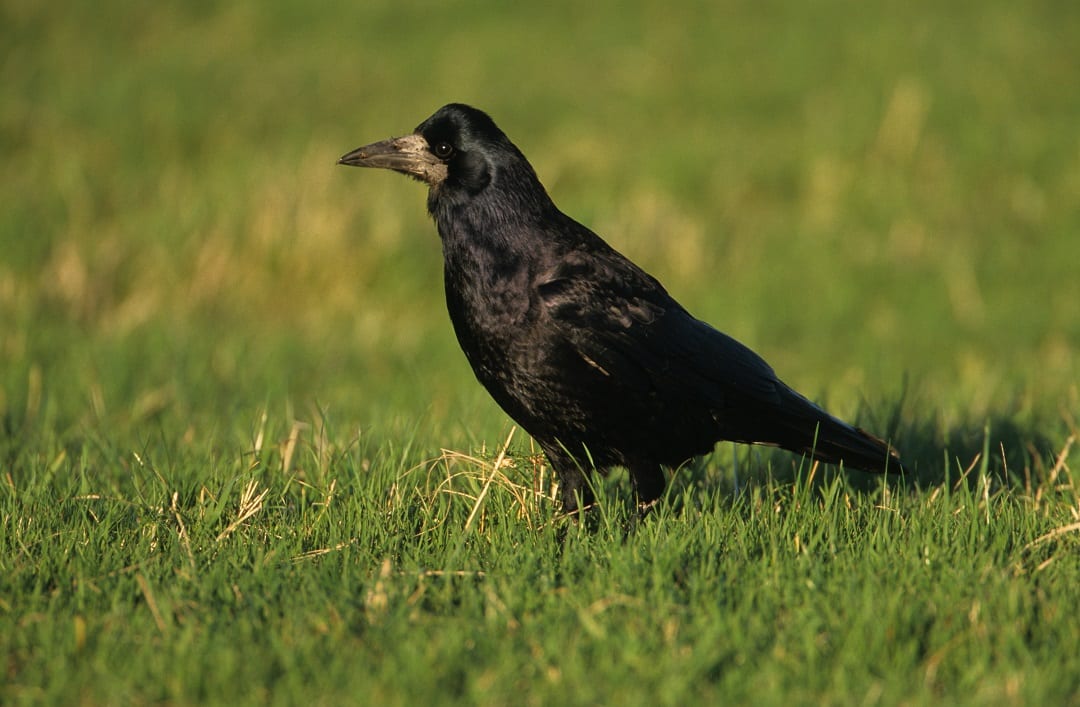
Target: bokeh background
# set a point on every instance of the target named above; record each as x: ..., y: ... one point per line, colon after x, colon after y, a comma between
x: 226, y: 365
x: 865, y: 195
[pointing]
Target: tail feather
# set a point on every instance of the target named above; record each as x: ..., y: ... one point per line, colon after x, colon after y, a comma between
x: 800, y: 426
x: 838, y: 442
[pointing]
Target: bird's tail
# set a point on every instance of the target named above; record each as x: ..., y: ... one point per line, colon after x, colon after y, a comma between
x: 802, y: 427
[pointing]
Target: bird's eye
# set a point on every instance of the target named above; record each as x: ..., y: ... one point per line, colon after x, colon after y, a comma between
x: 443, y: 150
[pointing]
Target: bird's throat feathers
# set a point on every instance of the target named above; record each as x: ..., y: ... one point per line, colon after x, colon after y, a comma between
x: 497, y: 216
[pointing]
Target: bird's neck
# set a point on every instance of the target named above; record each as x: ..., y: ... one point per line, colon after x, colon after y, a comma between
x: 483, y: 245
x: 491, y: 246
x: 506, y: 220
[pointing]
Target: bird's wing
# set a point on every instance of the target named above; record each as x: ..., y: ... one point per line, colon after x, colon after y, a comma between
x: 621, y: 321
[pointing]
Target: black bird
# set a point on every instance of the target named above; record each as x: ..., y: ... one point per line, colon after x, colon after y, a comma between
x: 584, y: 349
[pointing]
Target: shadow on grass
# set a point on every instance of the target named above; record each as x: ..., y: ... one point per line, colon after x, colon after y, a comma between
x: 1011, y: 448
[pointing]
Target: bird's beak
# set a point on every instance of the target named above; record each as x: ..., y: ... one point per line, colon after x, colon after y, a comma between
x: 409, y: 155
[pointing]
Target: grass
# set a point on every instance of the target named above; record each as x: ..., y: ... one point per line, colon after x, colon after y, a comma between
x: 242, y: 459
x: 313, y: 571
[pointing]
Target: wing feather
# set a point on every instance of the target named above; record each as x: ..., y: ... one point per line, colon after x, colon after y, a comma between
x: 622, y: 321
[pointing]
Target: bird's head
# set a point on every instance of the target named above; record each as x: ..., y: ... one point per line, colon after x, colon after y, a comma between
x: 458, y: 152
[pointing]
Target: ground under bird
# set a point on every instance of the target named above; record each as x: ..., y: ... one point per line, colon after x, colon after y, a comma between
x: 581, y: 347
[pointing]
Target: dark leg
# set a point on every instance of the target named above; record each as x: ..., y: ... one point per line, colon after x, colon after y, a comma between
x: 574, y: 491
x: 649, y: 483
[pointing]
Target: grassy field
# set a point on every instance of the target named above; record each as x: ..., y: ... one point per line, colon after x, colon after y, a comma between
x: 242, y: 460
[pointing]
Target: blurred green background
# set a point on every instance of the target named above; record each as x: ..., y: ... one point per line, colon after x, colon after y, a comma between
x: 865, y: 194
x: 201, y: 312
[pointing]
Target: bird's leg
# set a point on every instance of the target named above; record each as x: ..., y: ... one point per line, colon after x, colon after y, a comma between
x: 575, y: 493
x: 649, y: 482
x: 574, y: 490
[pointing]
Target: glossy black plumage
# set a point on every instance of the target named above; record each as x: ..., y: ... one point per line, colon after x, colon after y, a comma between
x: 584, y: 349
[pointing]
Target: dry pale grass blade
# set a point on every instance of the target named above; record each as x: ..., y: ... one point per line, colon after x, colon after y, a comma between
x: 151, y: 603
x: 182, y: 534
x: 319, y: 552
x: 251, y: 502
x: 260, y: 434
x: 487, y: 484
x: 1056, y: 532
x: 453, y: 573
x: 289, y: 447
x: 1059, y: 463
x: 902, y: 126
x: 377, y: 598
x: 967, y: 472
